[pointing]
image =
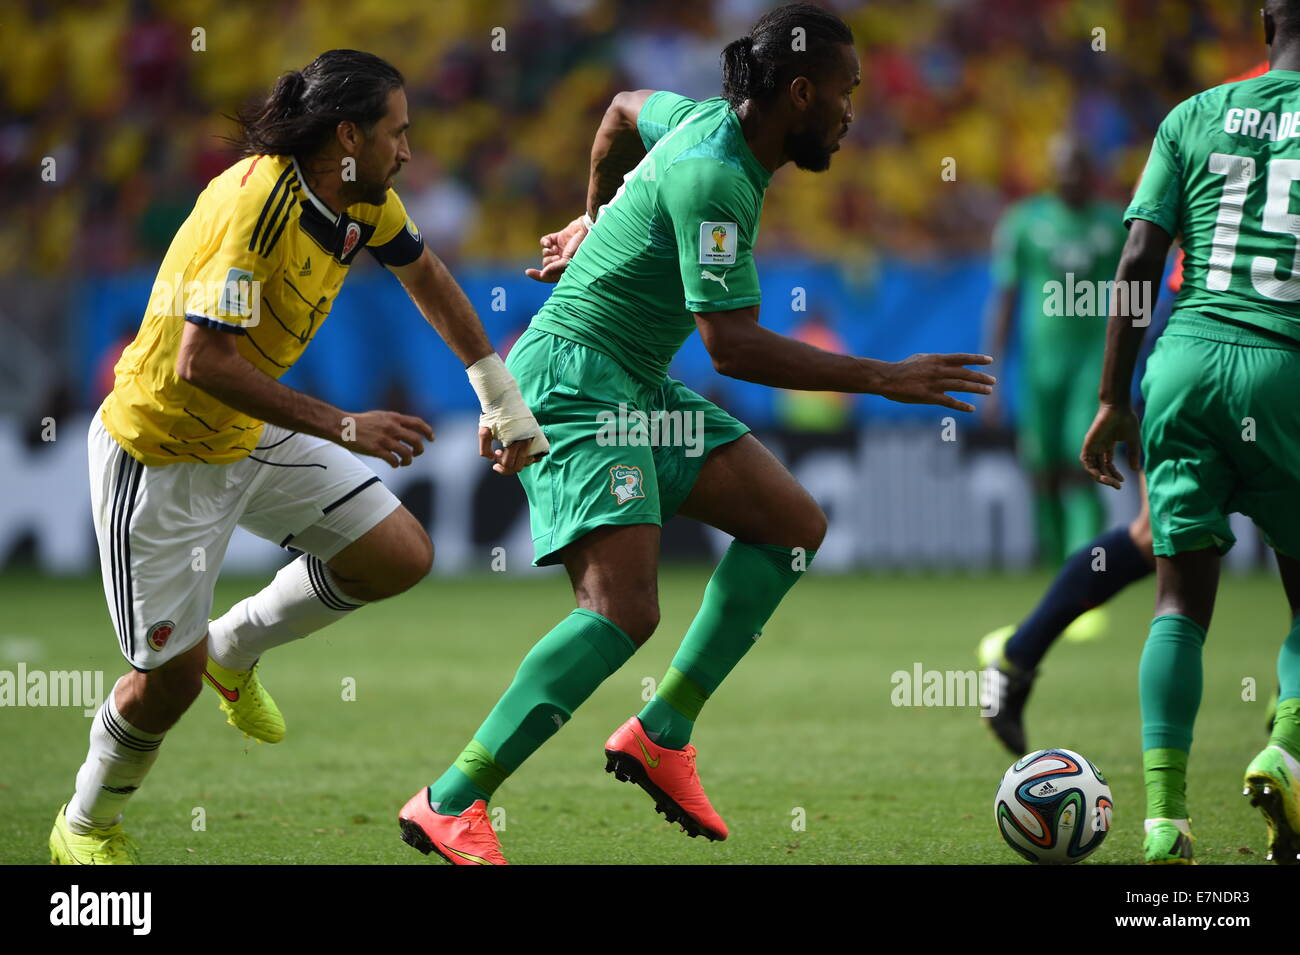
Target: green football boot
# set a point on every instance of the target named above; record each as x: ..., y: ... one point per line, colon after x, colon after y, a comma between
x: 1168, y: 842
x: 1271, y: 784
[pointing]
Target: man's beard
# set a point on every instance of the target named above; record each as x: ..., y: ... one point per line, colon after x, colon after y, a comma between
x: 371, y: 193
x: 374, y: 194
x: 808, y: 152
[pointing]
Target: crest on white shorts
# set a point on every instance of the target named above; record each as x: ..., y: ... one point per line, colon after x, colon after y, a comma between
x: 160, y: 633
x: 625, y: 482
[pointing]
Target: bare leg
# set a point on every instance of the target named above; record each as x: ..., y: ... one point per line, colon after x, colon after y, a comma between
x: 391, y: 557
x: 746, y: 492
x: 743, y: 490
x: 614, y: 572
x: 1187, y: 584
x: 156, y: 700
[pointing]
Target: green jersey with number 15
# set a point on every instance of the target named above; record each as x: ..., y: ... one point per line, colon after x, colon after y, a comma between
x: 677, y: 238
x: 1222, y: 173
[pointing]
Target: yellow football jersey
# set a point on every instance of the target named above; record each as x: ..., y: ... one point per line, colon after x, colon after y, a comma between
x: 262, y: 258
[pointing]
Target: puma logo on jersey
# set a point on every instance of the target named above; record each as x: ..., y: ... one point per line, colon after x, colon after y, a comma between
x: 720, y: 279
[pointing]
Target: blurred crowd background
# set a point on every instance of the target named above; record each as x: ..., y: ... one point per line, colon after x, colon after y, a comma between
x: 111, y: 118
x: 131, y: 113
x: 129, y: 99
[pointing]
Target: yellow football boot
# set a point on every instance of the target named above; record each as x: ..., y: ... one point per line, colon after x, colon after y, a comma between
x: 109, y: 846
x: 247, y: 705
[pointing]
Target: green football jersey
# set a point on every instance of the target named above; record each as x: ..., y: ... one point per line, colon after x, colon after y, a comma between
x: 1056, y: 257
x: 1222, y: 174
x: 676, y: 238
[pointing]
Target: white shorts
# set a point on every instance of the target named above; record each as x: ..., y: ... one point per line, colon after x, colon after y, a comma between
x: 163, y: 531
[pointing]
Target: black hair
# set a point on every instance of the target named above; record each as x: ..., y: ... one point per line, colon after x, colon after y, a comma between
x: 305, y: 107
x: 756, y: 66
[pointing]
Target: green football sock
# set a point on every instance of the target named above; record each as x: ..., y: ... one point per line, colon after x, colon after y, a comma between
x: 558, y: 674
x: 1083, y: 516
x: 1286, y: 720
x: 1169, y: 682
x: 743, y: 593
x: 1049, y: 523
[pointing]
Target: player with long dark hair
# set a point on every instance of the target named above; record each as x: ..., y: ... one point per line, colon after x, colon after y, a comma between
x: 198, y: 436
x: 666, y: 248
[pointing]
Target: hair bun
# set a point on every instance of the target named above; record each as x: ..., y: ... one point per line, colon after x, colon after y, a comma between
x: 292, y: 87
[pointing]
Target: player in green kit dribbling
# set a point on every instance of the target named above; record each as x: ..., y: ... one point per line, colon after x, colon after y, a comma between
x: 676, y: 191
x: 1221, y: 433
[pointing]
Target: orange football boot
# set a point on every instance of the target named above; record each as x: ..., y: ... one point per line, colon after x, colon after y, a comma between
x: 668, y: 775
x: 467, y: 839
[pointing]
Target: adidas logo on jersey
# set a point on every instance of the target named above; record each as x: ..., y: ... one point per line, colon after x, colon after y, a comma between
x: 306, y: 267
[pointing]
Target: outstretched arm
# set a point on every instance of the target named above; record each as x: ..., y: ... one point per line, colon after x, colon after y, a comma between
x: 741, y: 348
x: 209, y: 360
x: 444, y: 306
x: 505, y: 416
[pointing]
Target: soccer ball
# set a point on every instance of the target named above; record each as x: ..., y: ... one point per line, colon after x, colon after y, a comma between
x: 1053, y: 807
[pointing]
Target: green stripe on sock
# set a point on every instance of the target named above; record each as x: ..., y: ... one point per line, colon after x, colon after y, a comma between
x: 1286, y: 726
x: 746, y: 588
x: 1286, y: 719
x: 1165, y: 772
x: 558, y: 674
x: 672, y: 713
x: 480, y: 768
x: 681, y: 693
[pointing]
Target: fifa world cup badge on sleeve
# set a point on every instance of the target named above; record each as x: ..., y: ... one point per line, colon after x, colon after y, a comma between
x: 718, y: 243
x: 240, y: 300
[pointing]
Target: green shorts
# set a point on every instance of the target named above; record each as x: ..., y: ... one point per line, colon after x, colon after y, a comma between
x: 621, y: 452
x: 1059, y: 401
x: 1221, y: 435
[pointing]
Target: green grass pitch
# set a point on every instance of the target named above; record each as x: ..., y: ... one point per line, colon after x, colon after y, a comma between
x: 804, y: 723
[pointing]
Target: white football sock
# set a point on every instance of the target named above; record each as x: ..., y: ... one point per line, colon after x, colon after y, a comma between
x: 120, y: 757
x: 1182, y: 825
x: 304, y: 596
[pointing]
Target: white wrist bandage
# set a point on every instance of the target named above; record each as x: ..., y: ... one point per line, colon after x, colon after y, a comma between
x: 504, y: 411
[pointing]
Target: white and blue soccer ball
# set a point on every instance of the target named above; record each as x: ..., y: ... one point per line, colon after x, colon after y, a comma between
x: 1053, y: 807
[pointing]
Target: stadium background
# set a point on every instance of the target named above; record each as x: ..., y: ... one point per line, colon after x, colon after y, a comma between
x: 125, y: 103
x: 890, y: 258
